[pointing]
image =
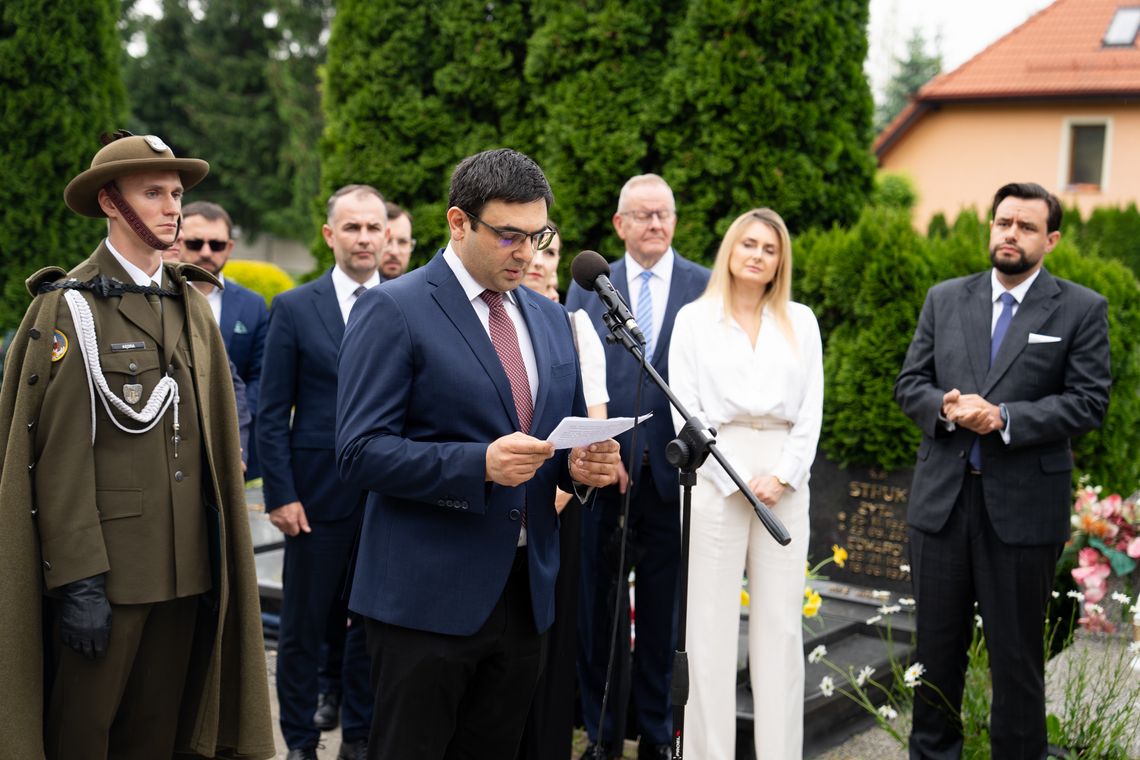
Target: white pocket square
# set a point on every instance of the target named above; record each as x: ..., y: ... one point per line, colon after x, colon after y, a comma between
x: 1035, y: 338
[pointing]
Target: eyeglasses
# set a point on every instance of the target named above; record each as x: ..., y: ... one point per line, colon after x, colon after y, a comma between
x: 195, y: 244
x: 510, y: 238
x: 642, y: 217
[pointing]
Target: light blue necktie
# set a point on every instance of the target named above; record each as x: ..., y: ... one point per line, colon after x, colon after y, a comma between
x: 644, y: 314
x: 1006, y: 316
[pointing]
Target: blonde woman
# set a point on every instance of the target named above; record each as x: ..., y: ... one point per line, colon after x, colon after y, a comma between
x: 747, y: 360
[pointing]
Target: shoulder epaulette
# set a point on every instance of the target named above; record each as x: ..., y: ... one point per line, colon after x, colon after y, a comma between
x: 195, y: 273
x: 45, y: 275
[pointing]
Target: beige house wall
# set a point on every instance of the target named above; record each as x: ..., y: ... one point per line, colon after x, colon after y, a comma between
x: 959, y: 155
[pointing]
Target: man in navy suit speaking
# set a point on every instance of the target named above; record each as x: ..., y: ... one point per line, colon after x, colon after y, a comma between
x: 450, y: 380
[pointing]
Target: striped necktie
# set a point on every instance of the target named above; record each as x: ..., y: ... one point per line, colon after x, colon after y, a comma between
x: 644, y: 314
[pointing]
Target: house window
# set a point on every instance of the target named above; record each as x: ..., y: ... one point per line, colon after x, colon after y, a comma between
x: 1122, y: 30
x: 1086, y: 155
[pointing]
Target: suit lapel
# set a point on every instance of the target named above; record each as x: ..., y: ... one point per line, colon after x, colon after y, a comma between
x: 680, y: 283
x: 1040, y: 302
x: 132, y: 306
x: 450, y: 297
x: 228, y: 317
x: 975, y: 315
x: 328, y: 310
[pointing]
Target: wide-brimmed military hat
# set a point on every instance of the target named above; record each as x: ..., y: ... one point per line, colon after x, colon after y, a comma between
x: 132, y: 154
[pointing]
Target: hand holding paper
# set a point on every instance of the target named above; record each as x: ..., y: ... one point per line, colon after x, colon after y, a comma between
x: 582, y: 431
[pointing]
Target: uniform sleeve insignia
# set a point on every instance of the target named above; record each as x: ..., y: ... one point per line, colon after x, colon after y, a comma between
x: 58, y: 346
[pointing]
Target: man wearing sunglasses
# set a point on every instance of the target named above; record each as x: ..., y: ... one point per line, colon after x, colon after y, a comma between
x: 450, y: 380
x: 241, y: 314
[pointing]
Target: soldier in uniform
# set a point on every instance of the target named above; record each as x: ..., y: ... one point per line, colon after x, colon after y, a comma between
x: 122, y: 519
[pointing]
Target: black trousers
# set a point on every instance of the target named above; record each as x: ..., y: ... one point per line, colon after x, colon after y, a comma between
x: 964, y: 563
x: 441, y: 697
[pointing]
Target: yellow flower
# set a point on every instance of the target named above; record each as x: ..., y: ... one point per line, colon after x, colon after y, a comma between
x: 838, y: 554
x: 744, y: 597
x: 812, y: 602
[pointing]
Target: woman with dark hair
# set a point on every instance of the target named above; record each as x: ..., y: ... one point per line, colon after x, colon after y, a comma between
x: 747, y: 360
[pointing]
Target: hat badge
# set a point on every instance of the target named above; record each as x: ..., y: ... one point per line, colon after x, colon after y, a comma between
x: 156, y: 144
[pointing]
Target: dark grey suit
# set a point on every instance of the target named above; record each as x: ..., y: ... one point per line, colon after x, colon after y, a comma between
x: 994, y: 538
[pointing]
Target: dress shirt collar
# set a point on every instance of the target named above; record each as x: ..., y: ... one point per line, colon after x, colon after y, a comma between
x: 1018, y: 292
x: 345, y: 286
x: 663, y: 268
x: 139, y: 276
x: 471, y: 288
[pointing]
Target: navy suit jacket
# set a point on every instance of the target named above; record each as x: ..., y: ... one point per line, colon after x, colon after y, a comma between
x: 1054, y: 387
x: 245, y: 345
x: 687, y: 282
x: 422, y: 395
x: 298, y: 460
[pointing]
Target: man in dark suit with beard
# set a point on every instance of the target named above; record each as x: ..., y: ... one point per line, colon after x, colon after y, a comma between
x: 1005, y: 367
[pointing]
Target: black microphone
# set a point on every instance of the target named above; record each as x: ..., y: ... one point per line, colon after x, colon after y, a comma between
x: 591, y: 272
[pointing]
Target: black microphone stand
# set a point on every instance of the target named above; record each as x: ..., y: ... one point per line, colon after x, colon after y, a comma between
x: 687, y: 452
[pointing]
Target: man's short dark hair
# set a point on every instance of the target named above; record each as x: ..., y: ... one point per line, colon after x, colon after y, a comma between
x: 395, y: 211
x: 503, y: 175
x: 212, y: 212
x: 1031, y: 191
x: 349, y: 190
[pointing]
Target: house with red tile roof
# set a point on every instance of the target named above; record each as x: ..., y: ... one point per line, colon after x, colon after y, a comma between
x: 1056, y: 101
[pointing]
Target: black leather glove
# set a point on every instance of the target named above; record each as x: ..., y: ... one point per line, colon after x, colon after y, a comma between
x: 85, y: 616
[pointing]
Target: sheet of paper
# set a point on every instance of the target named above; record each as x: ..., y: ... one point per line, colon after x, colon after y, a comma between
x: 582, y: 431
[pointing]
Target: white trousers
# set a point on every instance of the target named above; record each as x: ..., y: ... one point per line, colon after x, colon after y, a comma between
x: 725, y: 536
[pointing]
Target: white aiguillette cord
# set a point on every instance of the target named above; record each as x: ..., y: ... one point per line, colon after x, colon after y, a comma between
x: 165, y: 392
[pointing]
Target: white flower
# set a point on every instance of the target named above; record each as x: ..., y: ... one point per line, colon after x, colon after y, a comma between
x: 889, y: 609
x: 888, y: 712
x: 1094, y: 609
x: 904, y: 568
x: 978, y: 621
x: 1121, y: 598
x: 913, y: 674
x: 906, y: 601
x: 864, y: 674
x: 879, y: 594
x: 1056, y: 594
x: 1076, y: 595
x: 817, y: 654
x: 1134, y: 647
x: 827, y: 686
x: 873, y: 620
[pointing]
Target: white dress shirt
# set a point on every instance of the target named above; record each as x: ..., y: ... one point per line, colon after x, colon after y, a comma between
x: 345, y: 288
x: 214, y: 298
x: 474, y: 291
x: 720, y: 377
x: 658, y: 288
x: 137, y: 275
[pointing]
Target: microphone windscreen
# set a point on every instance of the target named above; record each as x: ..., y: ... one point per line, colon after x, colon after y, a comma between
x: 586, y: 267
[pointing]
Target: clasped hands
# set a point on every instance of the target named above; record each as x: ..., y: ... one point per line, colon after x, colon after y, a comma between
x: 971, y: 411
x: 514, y: 459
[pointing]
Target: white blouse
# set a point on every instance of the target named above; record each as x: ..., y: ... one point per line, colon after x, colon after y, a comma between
x: 592, y: 357
x: 720, y: 377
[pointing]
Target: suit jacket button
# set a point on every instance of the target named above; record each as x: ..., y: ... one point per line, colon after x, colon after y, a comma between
x: 178, y: 476
x: 514, y: 514
x: 440, y: 503
x: 961, y: 454
x: 33, y: 379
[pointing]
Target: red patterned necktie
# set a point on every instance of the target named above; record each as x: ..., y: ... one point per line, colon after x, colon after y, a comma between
x: 506, y: 341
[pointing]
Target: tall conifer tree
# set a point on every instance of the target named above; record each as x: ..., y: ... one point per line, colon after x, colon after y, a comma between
x: 60, y: 74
